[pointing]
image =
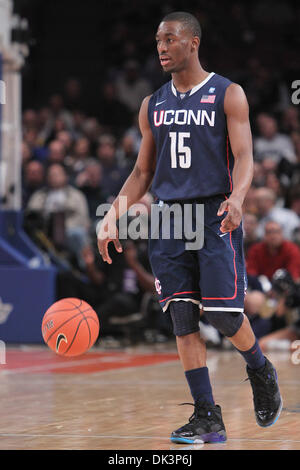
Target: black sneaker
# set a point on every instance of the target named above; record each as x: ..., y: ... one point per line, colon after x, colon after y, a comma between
x: 205, y: 425
x: 266, y: 395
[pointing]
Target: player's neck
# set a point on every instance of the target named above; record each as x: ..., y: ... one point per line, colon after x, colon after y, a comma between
x: 188, y: 78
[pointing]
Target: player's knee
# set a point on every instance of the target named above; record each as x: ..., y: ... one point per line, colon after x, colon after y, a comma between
x: 185, y: 317
x: 227, y: 323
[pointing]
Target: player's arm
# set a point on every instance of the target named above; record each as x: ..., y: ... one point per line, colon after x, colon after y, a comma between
x: 134, y: 188
x: 239, y: 132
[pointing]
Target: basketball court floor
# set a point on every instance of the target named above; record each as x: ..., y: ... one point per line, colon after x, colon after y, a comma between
x: 129, y: 399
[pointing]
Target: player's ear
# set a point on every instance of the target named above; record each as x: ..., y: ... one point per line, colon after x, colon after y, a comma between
x: 195, y: 43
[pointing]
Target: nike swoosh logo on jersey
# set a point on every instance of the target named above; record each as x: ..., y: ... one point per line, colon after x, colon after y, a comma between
x: 160, y: 102
x: 223, y: 235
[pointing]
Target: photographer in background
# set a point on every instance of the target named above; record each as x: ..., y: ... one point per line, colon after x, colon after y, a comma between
x: 287, y: 293
x: 265, y: 309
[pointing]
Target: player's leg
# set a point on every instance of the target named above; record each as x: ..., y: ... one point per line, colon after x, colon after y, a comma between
x: 177, y: 285
x: 206, y: 424
x: 261, y: 373
x: 262, y: 376
x: 223, y: 289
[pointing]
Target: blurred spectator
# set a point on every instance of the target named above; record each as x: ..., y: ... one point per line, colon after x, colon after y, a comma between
x: 131, y: 88
x: 272, y: 182
x: 126, y: 153
x: 273, y: 253
x: 270, y: 143
x: 113, y: 176
x: 54, y: 118
x: 287, y: 294
x: 44, y: 124
x: 27, y: 153
x: 90, y: 182
x: 79, y: 118
x: 92, y: 130
x: 58, y: 111
x: 265, y: 199
x: 250, y: 224
x: 290, y: 121
x: 38, y: 149
x: 92, y: 289
x: 134, y: 132
x: 33, y: 179
x: 57, y: 152
x: 82, y: 149
x: 259, y: 175
x: 29, y: 120
x: 79, y: 159
x: 65, y: 210
x: 249, y: 205
x: 281, y: 338
x: 66, y: 138
x: 254, y: 304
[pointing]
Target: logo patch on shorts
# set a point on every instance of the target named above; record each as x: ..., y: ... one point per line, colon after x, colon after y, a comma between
x: 157, y: 286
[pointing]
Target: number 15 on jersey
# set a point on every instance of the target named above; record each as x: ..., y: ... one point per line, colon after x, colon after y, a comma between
x: 180, y: 153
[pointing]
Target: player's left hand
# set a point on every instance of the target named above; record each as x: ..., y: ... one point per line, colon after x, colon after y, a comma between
x: 233, y: 207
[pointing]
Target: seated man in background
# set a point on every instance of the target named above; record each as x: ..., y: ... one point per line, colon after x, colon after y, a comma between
x: 272, y: 253
x: 33, y: 178
x: 266, y: 210
x: 250, y: 224
x: 64, y: 209
x: 90, y: 182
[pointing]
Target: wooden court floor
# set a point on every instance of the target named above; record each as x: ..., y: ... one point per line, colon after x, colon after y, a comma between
x: 128, y: 399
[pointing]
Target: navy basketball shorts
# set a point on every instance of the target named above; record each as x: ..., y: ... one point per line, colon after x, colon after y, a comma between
x: 213, y: 276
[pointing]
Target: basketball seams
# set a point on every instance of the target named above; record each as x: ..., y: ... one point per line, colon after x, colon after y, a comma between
x: 63, y: 310
x: 64, y: 323
x: 77, y: 329
x: 73, y: 339
x: 58, y: 311
x: 90, y: 336
x: 85, y: 317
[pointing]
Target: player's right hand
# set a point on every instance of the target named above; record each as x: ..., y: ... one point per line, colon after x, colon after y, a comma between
x: 108, y: 233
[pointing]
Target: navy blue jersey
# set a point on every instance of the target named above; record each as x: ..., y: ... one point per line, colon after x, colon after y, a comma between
x: 194, y: 158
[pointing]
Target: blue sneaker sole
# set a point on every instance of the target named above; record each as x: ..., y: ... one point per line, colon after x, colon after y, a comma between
x: 275, y: 419
x: 212, y: 437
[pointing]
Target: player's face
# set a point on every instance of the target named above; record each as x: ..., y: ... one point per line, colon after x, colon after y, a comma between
x: 174, y: 46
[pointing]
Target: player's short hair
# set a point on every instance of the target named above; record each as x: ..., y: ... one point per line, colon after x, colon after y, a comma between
x: 188, y: 20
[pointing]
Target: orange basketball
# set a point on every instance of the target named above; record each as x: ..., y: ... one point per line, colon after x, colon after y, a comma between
x: 70, y: 327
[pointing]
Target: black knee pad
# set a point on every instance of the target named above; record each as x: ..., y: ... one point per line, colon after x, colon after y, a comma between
x: 185, y: 317
x: 227, y: 323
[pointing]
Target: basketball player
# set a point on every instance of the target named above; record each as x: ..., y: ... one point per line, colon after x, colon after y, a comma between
x: 197, y: 148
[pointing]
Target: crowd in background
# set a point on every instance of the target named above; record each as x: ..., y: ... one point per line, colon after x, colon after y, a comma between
x: 76, y: 157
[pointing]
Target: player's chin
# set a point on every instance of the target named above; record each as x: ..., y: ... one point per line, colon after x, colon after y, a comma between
x: 168, y: 68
